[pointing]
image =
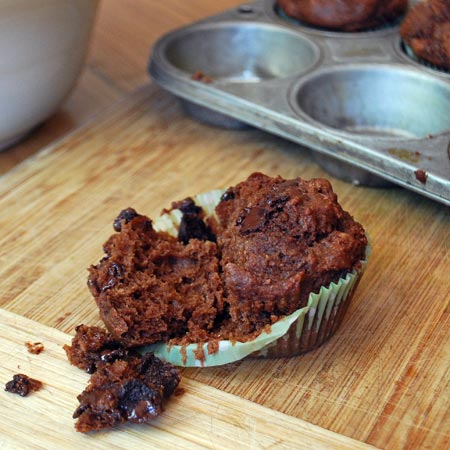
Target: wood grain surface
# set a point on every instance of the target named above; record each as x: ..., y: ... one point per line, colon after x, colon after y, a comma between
x: 201, y: 417
x: 383, y: 379
x: 124, y: 33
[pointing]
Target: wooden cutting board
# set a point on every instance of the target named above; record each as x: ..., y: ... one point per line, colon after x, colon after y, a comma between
x: 383, y: 379
x: 201, y: 417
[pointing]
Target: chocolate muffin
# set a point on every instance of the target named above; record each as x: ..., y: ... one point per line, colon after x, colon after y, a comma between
x: 426, y: 31
x: 344, y: 15
x: 265, y: 246
x: 281, y: 240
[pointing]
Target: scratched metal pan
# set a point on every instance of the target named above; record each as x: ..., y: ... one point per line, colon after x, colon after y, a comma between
x: 373, y: 114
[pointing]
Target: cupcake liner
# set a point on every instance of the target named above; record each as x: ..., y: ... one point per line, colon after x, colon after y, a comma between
x: 303, y: 330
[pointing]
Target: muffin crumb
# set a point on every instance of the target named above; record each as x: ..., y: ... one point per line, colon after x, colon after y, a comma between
x: 35, y: 348
x: 23, y: 385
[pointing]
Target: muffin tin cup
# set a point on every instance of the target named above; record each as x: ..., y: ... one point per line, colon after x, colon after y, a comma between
x: 356, y: 99
x: 305, y: 329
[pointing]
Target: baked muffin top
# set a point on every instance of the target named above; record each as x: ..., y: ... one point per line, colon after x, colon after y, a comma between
x: 344, y: 15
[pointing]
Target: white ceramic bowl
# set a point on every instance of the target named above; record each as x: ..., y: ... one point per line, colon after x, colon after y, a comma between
x: 42, y: 48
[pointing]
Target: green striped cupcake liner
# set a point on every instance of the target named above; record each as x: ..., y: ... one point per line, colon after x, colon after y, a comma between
x: 301, y: 331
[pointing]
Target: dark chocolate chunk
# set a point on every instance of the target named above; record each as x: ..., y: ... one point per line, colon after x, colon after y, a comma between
x: 192, y: 225
x: 125, y: 215
x: 278, y: 202
x: 252, y: 220
x: 139, y: 402
x: 227, y: 195
x: 188, y: 206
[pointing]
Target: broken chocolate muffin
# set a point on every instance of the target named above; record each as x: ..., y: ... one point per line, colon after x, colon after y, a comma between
x: 272, y: 243
x: 22, y: 385
x: 131, y: 389
x: 125, y: 386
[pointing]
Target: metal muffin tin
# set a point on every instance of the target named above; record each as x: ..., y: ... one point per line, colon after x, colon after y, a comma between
x: 372, y: 114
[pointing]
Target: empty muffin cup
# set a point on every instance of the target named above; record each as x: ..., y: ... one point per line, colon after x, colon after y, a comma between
x: 375, y: 102
x: 240, y: 52
x: 236, y: 52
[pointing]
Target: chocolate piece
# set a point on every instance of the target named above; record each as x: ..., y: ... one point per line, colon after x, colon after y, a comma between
x: 132, y: 389
x: 151, y: 287
x: 192, y: 225
x: 125, y: 216
x: 252, y: 219
x: 22, y: 385
x: 227, y: 195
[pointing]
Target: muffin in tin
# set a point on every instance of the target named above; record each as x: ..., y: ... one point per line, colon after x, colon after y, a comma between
x: 426, y: 32
x: 267, y: 266
x: 344, y: 15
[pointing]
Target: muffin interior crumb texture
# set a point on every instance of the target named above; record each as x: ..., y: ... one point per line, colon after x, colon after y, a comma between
x: 273, y: 242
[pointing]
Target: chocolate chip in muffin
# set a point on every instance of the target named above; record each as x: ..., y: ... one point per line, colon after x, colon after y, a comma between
x: 192, y: 225
x: 126, y: 216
